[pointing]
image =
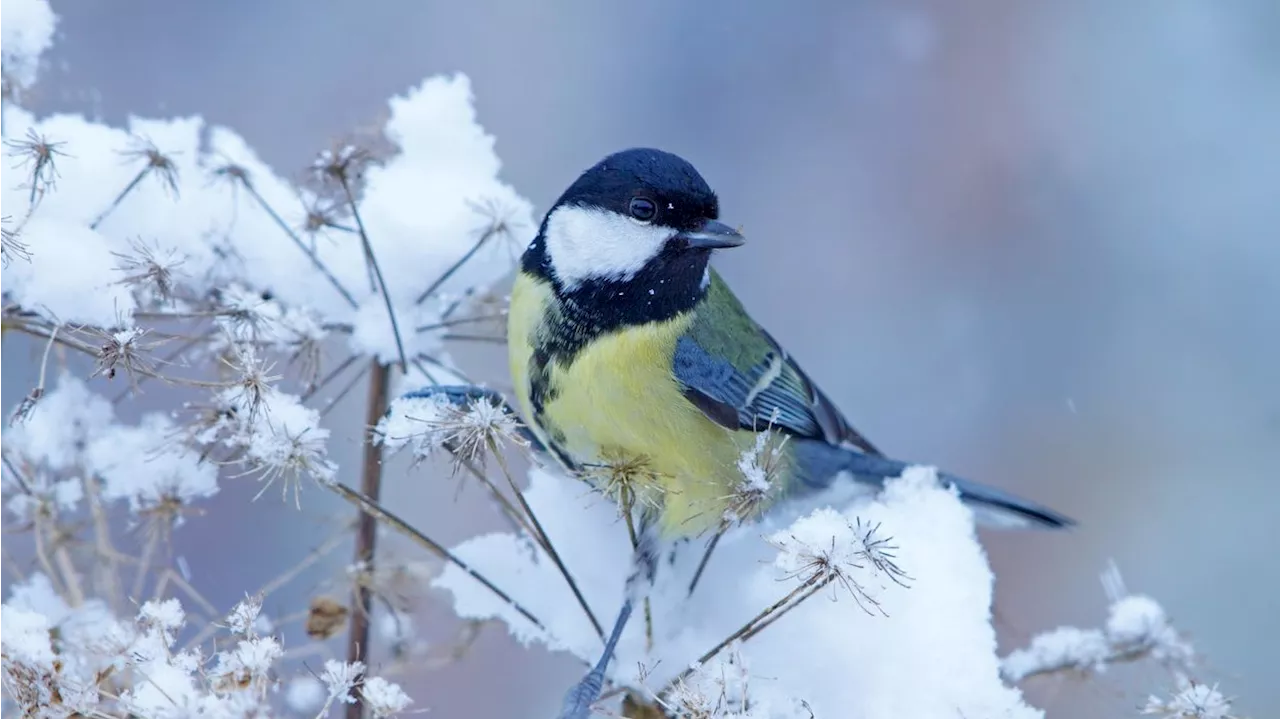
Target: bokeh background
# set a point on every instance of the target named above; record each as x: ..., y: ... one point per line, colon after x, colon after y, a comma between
x: 1037, y: 243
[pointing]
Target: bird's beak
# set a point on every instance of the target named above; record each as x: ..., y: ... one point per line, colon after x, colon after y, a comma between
x: 712, y: 235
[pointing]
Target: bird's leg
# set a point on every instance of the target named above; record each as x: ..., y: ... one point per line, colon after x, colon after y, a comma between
x: 464, y: 395
x: 644, y: 566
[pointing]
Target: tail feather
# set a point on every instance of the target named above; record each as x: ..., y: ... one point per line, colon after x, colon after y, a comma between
x: 820, y: 463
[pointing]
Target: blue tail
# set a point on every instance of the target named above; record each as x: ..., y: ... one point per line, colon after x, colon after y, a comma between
x: 819, y: 463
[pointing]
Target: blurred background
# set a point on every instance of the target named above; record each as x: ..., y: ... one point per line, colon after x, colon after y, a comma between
x: 1037, y: 243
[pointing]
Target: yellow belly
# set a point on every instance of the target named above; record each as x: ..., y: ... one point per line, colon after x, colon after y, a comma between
x: 618, y: 401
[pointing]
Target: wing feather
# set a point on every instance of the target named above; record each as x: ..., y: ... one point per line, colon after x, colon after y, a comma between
x: 741, y: 378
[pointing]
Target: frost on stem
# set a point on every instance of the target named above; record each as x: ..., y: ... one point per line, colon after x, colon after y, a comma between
x: 384, y: 698
x: 1136, y: 628
x: 428, y: 424
x: 760, y: 465
x: 256, y: 318
x: 340, y: 678
x: 244, y: 617
x: 113, y: 258
x: 123, y: 349
x: 343, y: 680
x: 825, y: 547
x: 1191, y: 701
x: 720, y: 689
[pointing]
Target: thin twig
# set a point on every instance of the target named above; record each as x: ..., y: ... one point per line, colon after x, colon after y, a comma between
x: 367, y: 527
x: 509, y: 510
x: 490, y: 339
x: 455, y: 322
x: 346, y: 389
x: 373, y: 263
x: 167, y: 359
x: 542, y: 538
x: 16, y: 475
x: 315, y: 260
x: 75, y: 594
x: 120, y: 197
x: 333, y: 373
x: 807, y: 588
x: 493, y: 229
x: 35, y: 331
x: 312, y: 557
x: 626, y: 503
x: 42, y: 555
x: 4, y: 91
x: 44, y: 359
x: 706, y: 558
x: 370, y: 507
x: 280, y: 580
x: 109, y: 570
x: 144, y: 564
x: 764, y: 623
x: 169, y: 575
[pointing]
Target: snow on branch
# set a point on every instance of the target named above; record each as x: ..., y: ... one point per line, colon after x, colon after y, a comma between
x: 165, y: 254
x: 932, y: 631
x: 1136, y: 628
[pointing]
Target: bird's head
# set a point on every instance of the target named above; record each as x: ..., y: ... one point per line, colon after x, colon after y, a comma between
x: 640, y: 223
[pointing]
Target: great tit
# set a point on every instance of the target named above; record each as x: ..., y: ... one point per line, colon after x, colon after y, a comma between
x: 626, y: 347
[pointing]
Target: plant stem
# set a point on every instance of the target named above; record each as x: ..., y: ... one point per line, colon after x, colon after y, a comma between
x: 377, y: 510
x: 488, y: 233
x: 706, y: 558
x: 315, y: 261
x: 806, y: 589
x: 120, y: 197
x: 541, y: 537
x: 377, y: 271
x: 367, y: 528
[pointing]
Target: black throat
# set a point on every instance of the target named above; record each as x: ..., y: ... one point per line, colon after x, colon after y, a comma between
x: 667, y: 286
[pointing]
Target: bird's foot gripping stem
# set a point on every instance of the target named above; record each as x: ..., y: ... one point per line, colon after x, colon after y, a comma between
x: 463, y: 396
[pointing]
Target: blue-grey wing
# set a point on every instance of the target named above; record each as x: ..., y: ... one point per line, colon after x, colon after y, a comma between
x: 773, y: 391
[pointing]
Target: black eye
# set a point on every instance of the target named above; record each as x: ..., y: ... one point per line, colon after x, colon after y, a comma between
x: 642, y: 209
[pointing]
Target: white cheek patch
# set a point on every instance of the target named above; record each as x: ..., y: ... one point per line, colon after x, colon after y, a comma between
x: 586, y: 243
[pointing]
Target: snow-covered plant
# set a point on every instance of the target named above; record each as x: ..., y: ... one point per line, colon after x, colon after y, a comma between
x: 165, y: 257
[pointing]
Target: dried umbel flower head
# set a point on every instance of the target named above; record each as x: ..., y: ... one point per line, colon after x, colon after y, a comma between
x: 157, y: 163
x: 11, y: 247
x: 1193, y: 700
x: 37, y: 155
x: 253, y: 381
x: 469, y: 428
x: 630, y: 481
x: 825, y: 548
x: 125, y: 349
x: 343, y: 163
x: 233, y: 173
x: 243, y: 618
x: 761, y: 465
x: 323, y: 213
x: 150, y: 269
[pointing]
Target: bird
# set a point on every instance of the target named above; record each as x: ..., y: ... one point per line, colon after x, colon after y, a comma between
x: 626, y: 347
x: 628, y: 350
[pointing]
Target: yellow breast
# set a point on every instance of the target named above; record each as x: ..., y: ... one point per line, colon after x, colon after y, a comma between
x: 617, y: 400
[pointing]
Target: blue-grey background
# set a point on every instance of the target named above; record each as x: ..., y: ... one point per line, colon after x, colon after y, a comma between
x: 1035, y: 242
